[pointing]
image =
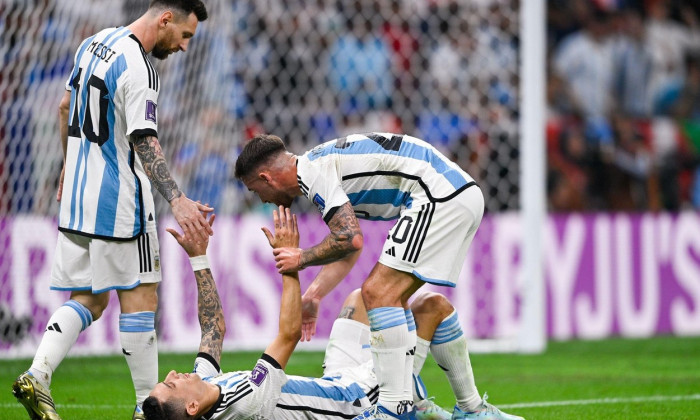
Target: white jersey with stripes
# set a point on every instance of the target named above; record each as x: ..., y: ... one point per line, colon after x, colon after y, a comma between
x: 267, y: 392
x: 340, y: 395
x: 380, y: 174
x: 250, y: 394
x: 114, y: 95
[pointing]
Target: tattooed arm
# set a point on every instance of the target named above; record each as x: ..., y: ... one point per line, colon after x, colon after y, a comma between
x: 155, y: 166
x: 210, y: 314
x: 187, y: 212
x: 344, y: 240
x: 209, y: 309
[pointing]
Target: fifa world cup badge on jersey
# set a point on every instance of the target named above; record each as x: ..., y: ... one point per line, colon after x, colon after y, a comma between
x: 258, y: 375
x: 150, y: 111
x: 156, y: 262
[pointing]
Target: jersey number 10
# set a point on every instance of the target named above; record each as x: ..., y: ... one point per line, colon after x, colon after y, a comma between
x: 99, y: 134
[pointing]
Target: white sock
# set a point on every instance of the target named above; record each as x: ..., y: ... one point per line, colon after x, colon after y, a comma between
x: 61, y: 333
x: 449, y: 348
x: 389, y: 338
x: 140, y: 347
x: 422, y: 347
x: 410, y: 352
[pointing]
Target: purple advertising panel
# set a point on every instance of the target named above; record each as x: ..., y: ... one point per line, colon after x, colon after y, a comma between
x: 631, y: 275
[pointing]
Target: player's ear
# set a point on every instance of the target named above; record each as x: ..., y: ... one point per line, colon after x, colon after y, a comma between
x: 265, y: 177
x: 165, y: 18
x: 192, y: 407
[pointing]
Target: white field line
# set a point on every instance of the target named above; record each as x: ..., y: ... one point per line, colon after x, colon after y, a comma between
x: 596, y: 401
x: 76, y: 406
x: 621, y: 400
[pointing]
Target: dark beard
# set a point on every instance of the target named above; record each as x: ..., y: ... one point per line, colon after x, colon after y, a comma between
x: 160, y: 53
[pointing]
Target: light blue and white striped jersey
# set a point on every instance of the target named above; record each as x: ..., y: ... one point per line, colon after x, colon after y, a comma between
x: 244, y: 394
x: 114, y: 94
x: 342, y: 395
x: 267, y: 393
x: 379, y: 173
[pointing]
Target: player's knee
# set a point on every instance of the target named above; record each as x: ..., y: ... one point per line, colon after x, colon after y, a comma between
x: 97, y: 305
x: 353, y: 298
x: 432, y: 304
x: 369, y: 295
x: 142, y: 298
x: 376, y: 294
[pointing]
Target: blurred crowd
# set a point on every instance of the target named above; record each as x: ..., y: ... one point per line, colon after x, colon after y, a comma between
x: 623, y: 93
x: 623, y: 90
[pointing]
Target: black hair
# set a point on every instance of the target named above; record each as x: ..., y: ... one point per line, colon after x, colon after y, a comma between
x: 259, y: 150
x: 172, y: 409
x: 184, y: 6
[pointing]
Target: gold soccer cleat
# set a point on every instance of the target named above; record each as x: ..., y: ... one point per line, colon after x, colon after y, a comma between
x: 34, y: 397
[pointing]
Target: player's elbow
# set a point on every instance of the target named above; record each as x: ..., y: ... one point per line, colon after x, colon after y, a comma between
x: 64, y: 106
x: 292, y: 334
x: 357, y: 242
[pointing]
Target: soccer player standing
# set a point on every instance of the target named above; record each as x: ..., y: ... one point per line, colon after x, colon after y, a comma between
x: 112, y: 157
x: 381, y: 176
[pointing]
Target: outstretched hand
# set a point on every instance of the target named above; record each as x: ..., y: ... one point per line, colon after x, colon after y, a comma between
x: 194, y: 245
x: 286, y: 229
x: 285, y: 241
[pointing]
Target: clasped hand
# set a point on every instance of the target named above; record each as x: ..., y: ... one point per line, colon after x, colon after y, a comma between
x: 285, y: 241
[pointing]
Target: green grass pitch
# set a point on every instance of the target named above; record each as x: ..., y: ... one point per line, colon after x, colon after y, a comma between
x: 655, y: 378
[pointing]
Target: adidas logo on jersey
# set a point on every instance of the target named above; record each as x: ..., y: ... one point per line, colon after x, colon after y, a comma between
x: 391, y: 251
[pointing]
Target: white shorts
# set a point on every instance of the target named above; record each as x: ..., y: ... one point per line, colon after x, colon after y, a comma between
x: 431, y: 240
x: 97, y: 265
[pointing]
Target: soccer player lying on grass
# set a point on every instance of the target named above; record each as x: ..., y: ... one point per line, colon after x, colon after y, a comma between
x: 348, y: 385
x: 207, y: 392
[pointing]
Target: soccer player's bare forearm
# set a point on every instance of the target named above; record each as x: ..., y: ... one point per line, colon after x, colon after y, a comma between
x: 290, y: 308
x: 210, y: 313
x: 155, y: 166
x: 63, y: 110
x: 344, y: 239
